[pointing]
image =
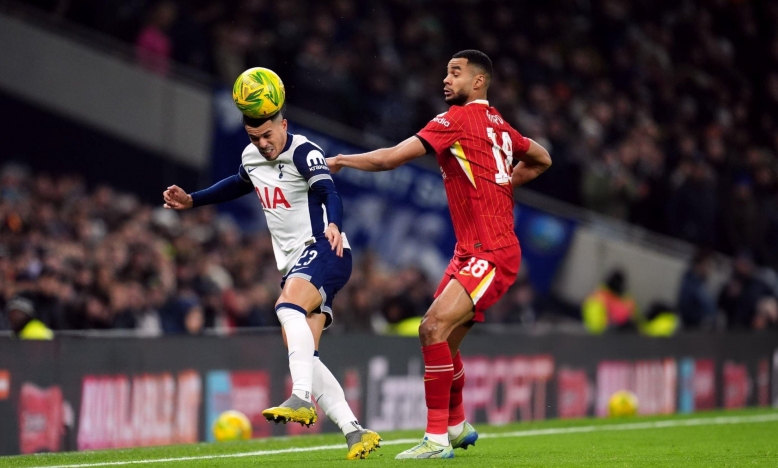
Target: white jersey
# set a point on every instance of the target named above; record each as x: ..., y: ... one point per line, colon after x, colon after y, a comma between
x: 295, y: 216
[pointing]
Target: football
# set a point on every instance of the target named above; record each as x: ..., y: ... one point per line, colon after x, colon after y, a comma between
x: 623, y: 403
x: 259, y: 93
x: 232, y: 425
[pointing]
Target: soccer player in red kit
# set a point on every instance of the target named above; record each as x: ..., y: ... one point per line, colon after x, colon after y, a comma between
x: 482, y: 158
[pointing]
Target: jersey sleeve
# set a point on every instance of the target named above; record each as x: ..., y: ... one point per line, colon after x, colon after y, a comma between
x: 225, y: 190
x: 442, y: 131
x: 520, y: 142
x: 309, y: 161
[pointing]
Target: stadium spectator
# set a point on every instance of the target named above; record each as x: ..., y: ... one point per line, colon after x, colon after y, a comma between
x: 21, y: 316
x: 182, y: 315
x: 609, y: 306
x: 659, y: 320
x: 520, y: 305
x: 741, y: 294
x: 608, y: 187
x: 696, y: 304
x: 401, y: 317
x: 154, y: 48
x: 742, y: 217
x: 766, y: 317
x: 692, y: 209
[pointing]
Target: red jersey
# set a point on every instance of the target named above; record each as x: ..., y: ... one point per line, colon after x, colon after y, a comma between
x: 476, y: 150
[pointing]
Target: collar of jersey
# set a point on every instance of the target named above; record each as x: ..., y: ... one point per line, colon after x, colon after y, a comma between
x: 479, y: 101
x: 289, y: 138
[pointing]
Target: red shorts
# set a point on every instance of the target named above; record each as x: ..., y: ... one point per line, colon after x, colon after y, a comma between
x: 485, y: 275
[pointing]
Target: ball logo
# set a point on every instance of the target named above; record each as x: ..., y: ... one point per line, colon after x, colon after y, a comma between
x: 315, y: 160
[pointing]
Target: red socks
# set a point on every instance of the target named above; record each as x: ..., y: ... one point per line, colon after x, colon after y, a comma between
x: 456, y: 410
x: 438, y: 377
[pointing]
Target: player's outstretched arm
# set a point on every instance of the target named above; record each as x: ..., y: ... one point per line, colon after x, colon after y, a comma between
x: 534, y: 162
x: 383, y: 159
x: 225, y: 190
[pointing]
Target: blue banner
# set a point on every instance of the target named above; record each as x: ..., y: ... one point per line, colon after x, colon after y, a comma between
x: 545, y: 240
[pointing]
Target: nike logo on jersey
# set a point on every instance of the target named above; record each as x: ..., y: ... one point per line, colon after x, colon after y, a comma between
x: 249, y: 170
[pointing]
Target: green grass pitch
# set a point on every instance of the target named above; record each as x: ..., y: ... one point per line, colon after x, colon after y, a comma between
x: 741, y: 438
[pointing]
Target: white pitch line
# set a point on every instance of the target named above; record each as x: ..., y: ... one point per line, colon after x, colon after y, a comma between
x: 715, y: 421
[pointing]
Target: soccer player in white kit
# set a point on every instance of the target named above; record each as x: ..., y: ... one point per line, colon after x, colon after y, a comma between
x: 304, y: 216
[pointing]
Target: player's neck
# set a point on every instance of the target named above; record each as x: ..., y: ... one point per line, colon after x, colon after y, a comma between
x: 478, y: 99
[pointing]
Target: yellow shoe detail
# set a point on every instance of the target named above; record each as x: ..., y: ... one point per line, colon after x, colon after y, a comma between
x: 361, y: 444
x: 303, y: 415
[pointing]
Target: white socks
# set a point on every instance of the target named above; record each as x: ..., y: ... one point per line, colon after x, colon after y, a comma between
x: 330, y: 397
x: 309, y: 374
x: 456, y: 431
x: 300, y: 343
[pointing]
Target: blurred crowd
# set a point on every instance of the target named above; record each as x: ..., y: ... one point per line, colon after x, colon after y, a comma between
x: 103, y: 260
x: 663, y: 113
x: 71, y: 259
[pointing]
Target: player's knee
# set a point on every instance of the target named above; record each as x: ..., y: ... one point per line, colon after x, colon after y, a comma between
x: 287, y: 312
x: 432, y: 330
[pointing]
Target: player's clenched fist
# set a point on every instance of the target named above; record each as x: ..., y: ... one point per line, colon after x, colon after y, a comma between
x: 333, y: 164
x: 176, y: 198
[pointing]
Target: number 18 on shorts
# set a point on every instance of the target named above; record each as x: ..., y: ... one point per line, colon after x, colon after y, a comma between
x: 485, y: 276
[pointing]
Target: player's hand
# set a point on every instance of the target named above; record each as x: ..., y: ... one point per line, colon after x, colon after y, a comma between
x: 332, y: 233
x: 333, y: 164
x: 176, y: 198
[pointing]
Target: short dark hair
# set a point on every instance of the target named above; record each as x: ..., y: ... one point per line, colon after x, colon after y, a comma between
x: 477, y: 58
x: 254, y: 123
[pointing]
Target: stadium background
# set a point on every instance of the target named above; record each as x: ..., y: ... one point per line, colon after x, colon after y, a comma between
x: 660, y: 117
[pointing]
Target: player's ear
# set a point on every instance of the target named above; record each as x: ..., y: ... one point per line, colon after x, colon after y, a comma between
x: 283, y: 124
x: 480, y: 81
